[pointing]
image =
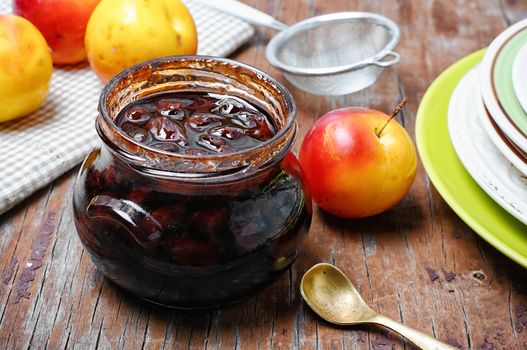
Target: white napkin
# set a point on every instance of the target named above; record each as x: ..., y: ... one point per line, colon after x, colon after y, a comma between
x: 35, y: 150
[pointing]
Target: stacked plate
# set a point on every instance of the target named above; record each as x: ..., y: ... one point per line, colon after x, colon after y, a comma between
x: 487, y: 121
x: 471, y: 133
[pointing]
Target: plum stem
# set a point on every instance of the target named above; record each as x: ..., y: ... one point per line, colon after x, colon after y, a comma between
x: 396, y: 111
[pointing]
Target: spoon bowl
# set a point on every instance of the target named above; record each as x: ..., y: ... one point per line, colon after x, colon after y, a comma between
x: 333, y: 297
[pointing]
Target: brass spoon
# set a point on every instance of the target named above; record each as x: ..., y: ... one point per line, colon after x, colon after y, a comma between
x: 332, y: 296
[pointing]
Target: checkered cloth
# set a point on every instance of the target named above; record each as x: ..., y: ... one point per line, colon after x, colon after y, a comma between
x: 37, y: 149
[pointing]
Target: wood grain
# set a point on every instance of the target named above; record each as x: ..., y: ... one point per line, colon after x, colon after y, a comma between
x: 417, y: 263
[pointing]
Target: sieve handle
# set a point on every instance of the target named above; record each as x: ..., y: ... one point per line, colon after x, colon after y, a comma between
x: 245, y: 12
x: 388, y: 60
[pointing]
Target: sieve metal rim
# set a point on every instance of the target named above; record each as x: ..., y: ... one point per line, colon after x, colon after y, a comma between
x: 278, y: 40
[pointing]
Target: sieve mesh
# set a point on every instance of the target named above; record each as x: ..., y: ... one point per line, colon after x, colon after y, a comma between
x: 333, y: 44
x: 335, y: 54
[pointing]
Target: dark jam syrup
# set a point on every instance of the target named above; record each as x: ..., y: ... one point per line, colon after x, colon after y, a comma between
x: 195, y: 123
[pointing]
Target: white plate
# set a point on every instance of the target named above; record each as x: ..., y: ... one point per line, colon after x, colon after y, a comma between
x: 519, y: 76
x: 484, y: 162
x: 516, y: 156
x: 487, y: 89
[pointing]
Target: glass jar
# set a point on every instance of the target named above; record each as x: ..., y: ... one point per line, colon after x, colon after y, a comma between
x: 192, y: 231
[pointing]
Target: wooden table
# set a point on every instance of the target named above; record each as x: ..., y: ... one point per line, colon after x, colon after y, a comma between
x: 417, y: 263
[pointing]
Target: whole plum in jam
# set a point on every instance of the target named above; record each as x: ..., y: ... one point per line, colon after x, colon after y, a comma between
x: 197, y: 123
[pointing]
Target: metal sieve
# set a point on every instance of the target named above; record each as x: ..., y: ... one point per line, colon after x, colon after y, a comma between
x: 333, y: 54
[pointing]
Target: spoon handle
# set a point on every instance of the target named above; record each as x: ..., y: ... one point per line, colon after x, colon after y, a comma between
x: 422, y: 340
x: 245, y: 12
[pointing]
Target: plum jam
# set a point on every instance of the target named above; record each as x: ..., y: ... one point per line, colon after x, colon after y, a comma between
x: 193, y: 198
x: 195, y: 123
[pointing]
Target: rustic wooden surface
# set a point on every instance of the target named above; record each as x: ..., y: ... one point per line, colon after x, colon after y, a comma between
x: 418, y: 263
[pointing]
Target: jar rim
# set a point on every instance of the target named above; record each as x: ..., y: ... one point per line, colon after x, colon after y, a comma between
x: 285, y: 133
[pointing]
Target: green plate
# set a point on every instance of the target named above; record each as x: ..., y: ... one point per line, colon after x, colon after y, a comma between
x: 448, y: 175
x: 503, y: 81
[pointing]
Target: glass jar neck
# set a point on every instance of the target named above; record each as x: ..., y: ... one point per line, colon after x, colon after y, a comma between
x: 164, y: 166
x: 197, y: 74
